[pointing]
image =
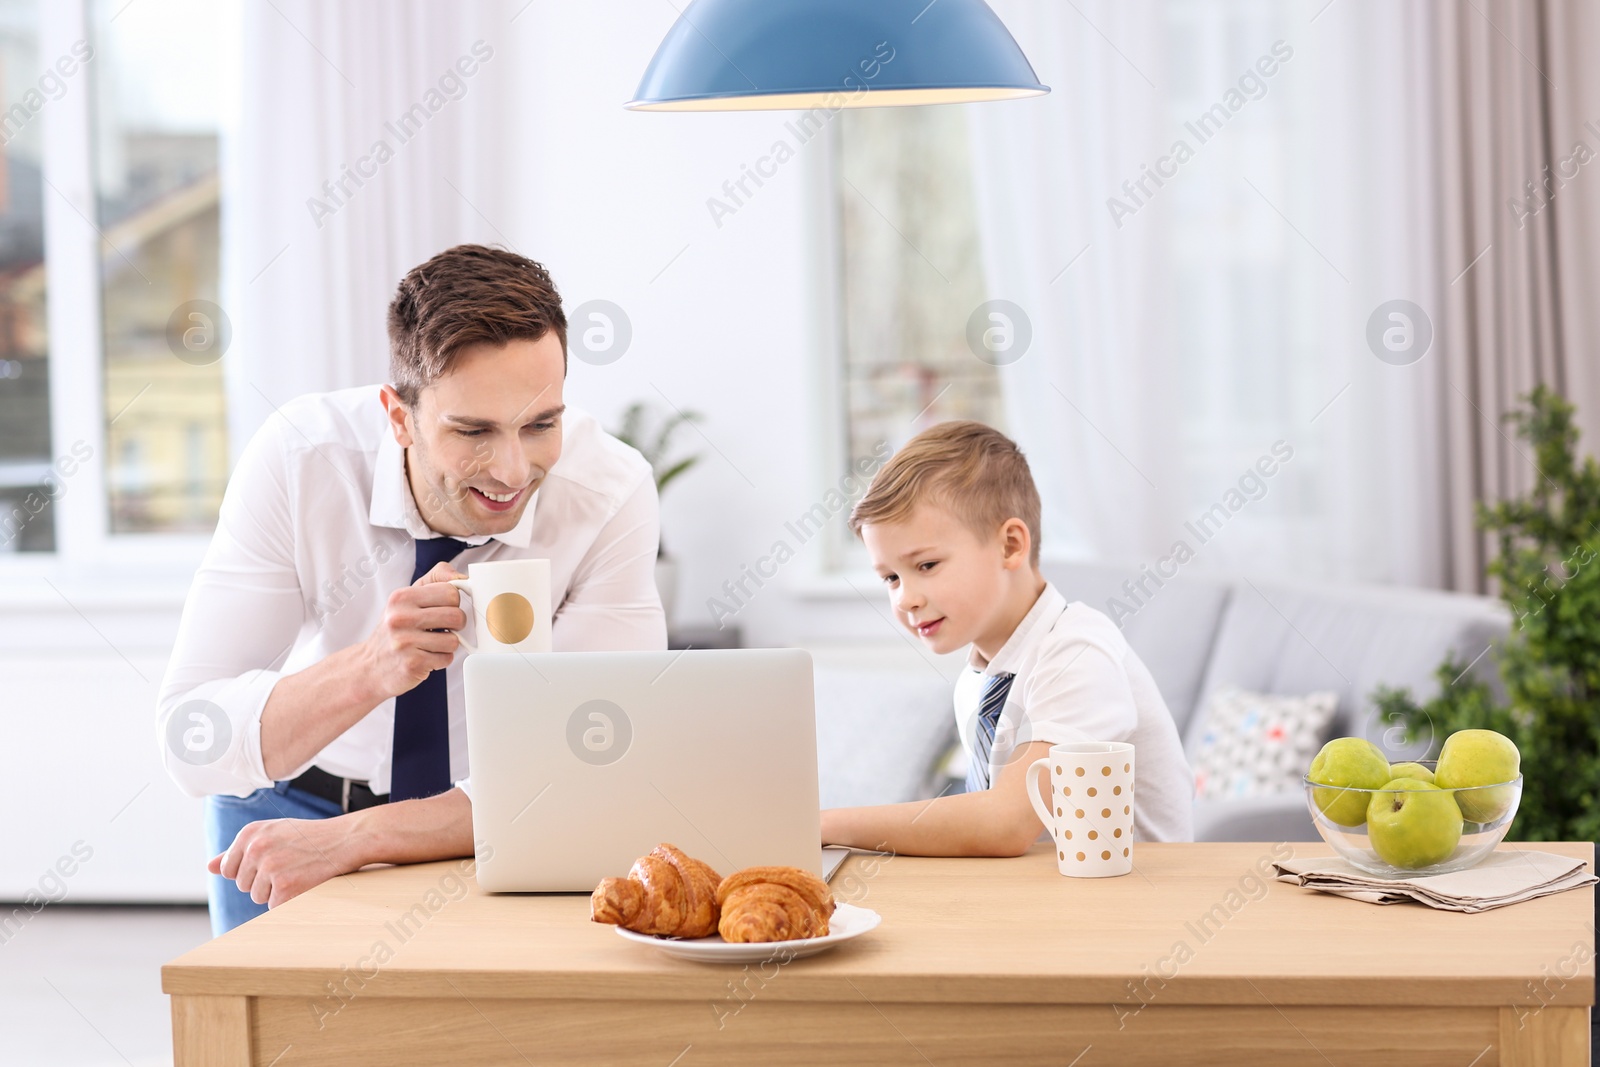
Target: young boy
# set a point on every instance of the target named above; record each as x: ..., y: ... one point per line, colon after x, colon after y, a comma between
x: 952, y: 525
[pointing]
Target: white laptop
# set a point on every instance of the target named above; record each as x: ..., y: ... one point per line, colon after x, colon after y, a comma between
x: 584, y: 761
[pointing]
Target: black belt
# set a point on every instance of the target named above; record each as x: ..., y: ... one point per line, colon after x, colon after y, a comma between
x: 349, y: 794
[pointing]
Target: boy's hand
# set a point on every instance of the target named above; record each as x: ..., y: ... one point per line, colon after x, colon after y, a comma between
x: 999, y: 821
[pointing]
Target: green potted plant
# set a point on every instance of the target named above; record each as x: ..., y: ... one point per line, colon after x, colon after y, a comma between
x: 652, y: 433
x: 1547, y: 699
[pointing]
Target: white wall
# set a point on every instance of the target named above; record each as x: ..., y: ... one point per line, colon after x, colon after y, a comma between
x: 80, y: 771
x: 737, y: 327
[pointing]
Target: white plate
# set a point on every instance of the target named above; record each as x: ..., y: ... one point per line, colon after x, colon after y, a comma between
x: 846, y: 922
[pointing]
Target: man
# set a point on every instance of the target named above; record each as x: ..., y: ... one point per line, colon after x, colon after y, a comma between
x: 314, y: 692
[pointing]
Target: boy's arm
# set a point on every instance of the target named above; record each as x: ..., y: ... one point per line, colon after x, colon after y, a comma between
x: 999, y: 821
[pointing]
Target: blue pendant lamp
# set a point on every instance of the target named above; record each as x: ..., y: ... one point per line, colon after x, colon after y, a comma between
x: 765, y: 55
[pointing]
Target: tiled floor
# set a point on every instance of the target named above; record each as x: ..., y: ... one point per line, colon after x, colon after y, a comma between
x: 81, y: 986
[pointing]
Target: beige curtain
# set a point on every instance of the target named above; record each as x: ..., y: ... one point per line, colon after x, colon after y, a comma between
x: 1516, y: 93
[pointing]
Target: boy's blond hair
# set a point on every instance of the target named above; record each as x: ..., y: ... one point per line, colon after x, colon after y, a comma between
x: 973, y: 471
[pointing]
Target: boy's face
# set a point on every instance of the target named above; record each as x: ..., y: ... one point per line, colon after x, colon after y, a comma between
x: 946, y: 584
x: 489, y: 428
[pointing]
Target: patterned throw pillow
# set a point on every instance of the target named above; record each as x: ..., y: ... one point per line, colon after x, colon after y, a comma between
x: 1256, y: 744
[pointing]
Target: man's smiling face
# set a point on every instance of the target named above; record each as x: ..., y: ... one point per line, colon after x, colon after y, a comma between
x: 481, y: 438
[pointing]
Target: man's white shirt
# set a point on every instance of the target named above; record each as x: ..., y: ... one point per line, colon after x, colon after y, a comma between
x: 1077, y: 679
x: 316, y: 531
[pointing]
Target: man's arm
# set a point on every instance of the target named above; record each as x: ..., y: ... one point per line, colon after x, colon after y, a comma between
x: 307, y: 710
x: 277, y: 859
x: 243, y: 611
x: 999, y: 821
x: 612, y: 605
x: 240, y: 620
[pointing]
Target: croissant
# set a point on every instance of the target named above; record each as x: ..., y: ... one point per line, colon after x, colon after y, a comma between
x: 773, y: 904
x: 666, y: 893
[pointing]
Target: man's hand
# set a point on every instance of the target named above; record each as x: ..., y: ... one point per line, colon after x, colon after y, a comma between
x: 404, y: 648
x: 276, y: 859
x: 306, y: 710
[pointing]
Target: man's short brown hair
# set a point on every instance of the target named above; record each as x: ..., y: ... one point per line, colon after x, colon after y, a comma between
x: 973, y: 471
x: 464, y: 296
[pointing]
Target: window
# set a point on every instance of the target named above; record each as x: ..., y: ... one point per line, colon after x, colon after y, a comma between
x: 112, y: 421
x: 910, y: 277
x: 27, y: 482
x: 157, y: 197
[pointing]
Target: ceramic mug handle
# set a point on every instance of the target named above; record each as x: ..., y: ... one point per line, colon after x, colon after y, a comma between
x: 464, y: 585
x: 1032, y: 781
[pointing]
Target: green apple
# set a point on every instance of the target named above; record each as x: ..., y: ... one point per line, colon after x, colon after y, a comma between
x: 1411, y: 770
x: 1413, y: 824
x: 1347, y: 764
x: 1478, y: 758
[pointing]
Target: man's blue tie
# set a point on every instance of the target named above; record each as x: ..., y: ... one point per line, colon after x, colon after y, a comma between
x: 420, y: 766
x: 989, y: 708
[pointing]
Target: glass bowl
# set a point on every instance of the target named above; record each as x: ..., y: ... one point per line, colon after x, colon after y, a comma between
x: 1423, y: 835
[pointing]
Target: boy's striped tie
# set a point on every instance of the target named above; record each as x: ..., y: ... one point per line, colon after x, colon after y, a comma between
x: 994, y: 699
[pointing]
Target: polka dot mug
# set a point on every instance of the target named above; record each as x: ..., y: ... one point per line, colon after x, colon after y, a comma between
x: 1090, y: 814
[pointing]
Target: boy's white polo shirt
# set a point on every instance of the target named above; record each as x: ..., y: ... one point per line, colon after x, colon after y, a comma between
x: 1077, y: 679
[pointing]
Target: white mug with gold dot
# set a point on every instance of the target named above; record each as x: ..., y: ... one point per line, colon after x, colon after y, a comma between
x: 510, y: 605
x: 1090, y: 815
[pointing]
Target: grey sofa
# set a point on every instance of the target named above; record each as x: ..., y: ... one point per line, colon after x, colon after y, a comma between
x: 883, y: 734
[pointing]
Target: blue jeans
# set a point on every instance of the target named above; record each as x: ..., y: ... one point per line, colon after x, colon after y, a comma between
x: 225, y: 817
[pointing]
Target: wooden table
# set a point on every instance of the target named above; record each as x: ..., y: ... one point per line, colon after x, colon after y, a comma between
x: 1193, y: 959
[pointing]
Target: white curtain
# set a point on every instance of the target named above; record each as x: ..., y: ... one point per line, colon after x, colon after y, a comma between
x: 1224, y: 311
x: 326, y: 90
